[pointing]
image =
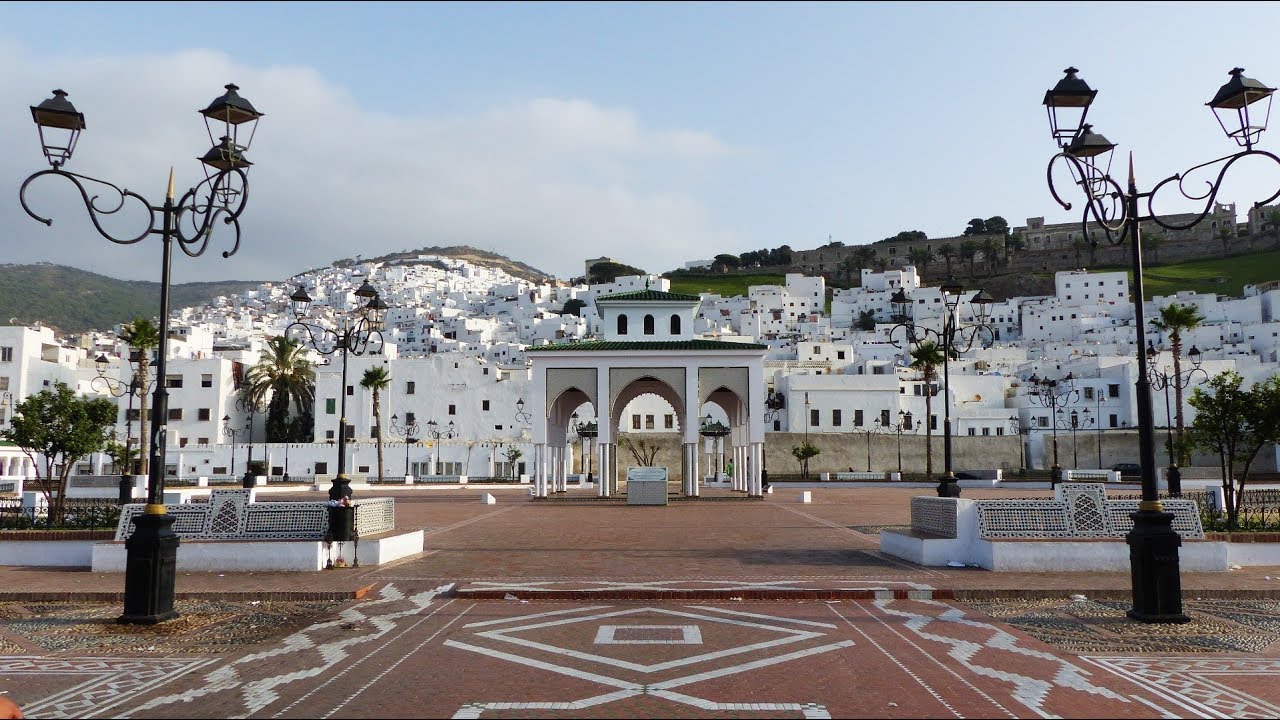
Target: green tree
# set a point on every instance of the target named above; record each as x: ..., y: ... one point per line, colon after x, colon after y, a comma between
x: 990, y: 253
x: 724, y: 262
x: 977, y: 226
x: 864, y: 256
x: 58, y: 427
x: 573, y: 306
x: 803, y: 453
x: 377, y: 379
x: 513, y: 454
x: 1175, y: 319
x: 1151, y: 243
x: 969, y: 251
x: 1226, y: 234
x: 142, y: 335
x: 927, y: 356
x: 1236, y: 424
x: 848, y: 267
x: 1271, y: 220
x: 1078, y: 245
x: 919, y: 257
x: 122, y: 456
x: 947, y: 251
x: 606, y: 272
x: 283, y: 375
x: 996, y: 226
x: 867, y: 320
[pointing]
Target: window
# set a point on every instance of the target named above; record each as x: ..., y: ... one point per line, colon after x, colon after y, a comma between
x: 134, y: 413
x: 815, y: 349
x: 1115, y: 421
x: 202, y: 414
x: 933, y: 422
x: 648, y: 325
x: 1043, y: 421
x: 622, y: 324
x: 173, y: 381
x: 182, y: 442
x: 972, y: 432
x: 322, y: 468
x: 835, y: 418
x: 884, y: 418
x: 351, y: 432
x: 453, y: 409
x: 999, y: 431
x: 857, y: 418
x: 635, y: 422
x: 175, y: 413
x: 1113, y: 391
x: 986, y: 431
x: 814, y: 418
x: 839, y: 354
x: 351, y: 390
x: 669, y: 421
x: 330, y: 406
x: 777, y: 425
x: 206, y: 380
x: 328, y: 435
x: 409, y: 418
x: 675, y: 324
x: 648, y: 422
x: 409, y: 387
x: 6, y: 354
x: 1088, y: 393
x: 484, y: 405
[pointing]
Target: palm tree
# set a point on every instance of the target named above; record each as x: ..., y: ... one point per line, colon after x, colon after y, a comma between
x: 968, y: 251
x: 1272, y: 221
x: 920, y: 258
x: 864, y: 256
x: 1078, y: 245
x: 1151, y: 242
x: 990, y: 252
x: 1226, y: 234
x: 283, y: 374
x: 880, y: 264
x: 848, y: 266
x: 928, y: 356
x: 377, y: 379
x: 142, y: 335
x: 947, y: 251
x: 1173, y: 320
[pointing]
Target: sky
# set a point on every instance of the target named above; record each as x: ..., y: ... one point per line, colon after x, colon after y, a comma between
x: 652, y: 133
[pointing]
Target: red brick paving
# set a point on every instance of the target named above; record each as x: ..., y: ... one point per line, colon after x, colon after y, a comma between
x: 918, y: 666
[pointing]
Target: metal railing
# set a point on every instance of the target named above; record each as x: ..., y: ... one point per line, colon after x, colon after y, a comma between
x: 77, y: 514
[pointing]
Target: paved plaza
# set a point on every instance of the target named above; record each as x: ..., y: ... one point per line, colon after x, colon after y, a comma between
x: 714, y: 608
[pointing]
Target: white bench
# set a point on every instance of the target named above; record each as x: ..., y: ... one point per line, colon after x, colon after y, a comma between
x: 1091, y: 475
x: 856, y: 475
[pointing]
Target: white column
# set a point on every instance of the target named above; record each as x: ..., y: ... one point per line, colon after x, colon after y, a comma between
x: 539, y: 472
x: 696, y: 471
x: 757, y: 456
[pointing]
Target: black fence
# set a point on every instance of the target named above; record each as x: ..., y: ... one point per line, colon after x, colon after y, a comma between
x: 77, y: 514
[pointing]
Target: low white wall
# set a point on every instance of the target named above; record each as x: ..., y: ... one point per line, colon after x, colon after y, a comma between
x: 1253, y: 553
x: 47, y: 553
x: 1094, y: 555
x: 255, y: 555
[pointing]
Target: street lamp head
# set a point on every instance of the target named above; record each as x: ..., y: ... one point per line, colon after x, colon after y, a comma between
x: 301, y: 302
x: 1068, y: 104
x: 101, y: 363
x: 63, y: 123
x: 951, y: 286
x: 366, y: 290
x: 901, y: 304
x: 450, y: 433
x: 230, y: 111
x: 982, y: 302
x: 1194, y: 356
x: 376, y: 312
x: 1231, y: 107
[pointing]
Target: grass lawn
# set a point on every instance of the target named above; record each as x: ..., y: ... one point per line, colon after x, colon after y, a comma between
x: 725, y: 285
x: 1225, y: 276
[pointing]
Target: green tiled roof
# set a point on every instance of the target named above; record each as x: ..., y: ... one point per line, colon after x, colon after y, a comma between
x: 650, y: 295
x: 600, y: 346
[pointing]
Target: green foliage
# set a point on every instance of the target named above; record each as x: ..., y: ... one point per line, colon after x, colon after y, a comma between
x: 606, y: 272
x: 1235, y: 423
x: 377, y: 379
x: 282, y: 375
x: 1224, y: 276
x: 726, y: 261
x: 728, y: 285
x: 867, y: 320
x: 977, y: 226
x: 803, y: 453
x: 573, y: 307
x: 74, y: 300
x: 777, y: 257
x: 908, y: 236
x: 60, y: 427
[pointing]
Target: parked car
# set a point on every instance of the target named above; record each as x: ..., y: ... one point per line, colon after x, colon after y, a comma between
x: 966, y: 475
x: 1128, y: 469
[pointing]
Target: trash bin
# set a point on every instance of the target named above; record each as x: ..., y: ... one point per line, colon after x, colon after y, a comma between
x: 342, y: 523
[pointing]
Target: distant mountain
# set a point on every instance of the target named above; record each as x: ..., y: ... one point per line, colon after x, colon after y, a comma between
x: 74, y: 301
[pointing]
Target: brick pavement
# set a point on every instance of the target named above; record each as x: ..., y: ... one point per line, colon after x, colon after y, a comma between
x: 411, y: 646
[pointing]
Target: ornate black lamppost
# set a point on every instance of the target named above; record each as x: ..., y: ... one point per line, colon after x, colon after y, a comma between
x: 116, y: 388
x: 1055, y: 395
x: 359, y: 330
x: 875, y: 428
x: 1077, y: 420
x: 1022, y: 431
x: 245, y: 405
x: 522, y: 417
x: 409, y: 431
x: 904, y: 423
x: 716, y: 431
x: 152, y: 549
x: 436, y: 433
x: 1163, y: 380
x: 952, y: 339
x: 1153, y: 544
x: 235, y: 434
x: 587, y: 433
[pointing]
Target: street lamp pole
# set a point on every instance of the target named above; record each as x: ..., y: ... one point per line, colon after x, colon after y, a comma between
x: 1054, y: 395
x: 152, y: 549
x: 433, y: 429
x: 1163, y: 380
x: 1153, y: 544
x: 408, y: 431
x: 355, y: 338
x: 946, y: 339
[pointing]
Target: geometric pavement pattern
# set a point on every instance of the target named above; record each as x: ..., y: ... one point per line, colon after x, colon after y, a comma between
x: 418, y: 654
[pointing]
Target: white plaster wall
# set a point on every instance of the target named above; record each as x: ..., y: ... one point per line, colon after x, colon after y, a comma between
x: 47, y: 553
x: 1088, y: 556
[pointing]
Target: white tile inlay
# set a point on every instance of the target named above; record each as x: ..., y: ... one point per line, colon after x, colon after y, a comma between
x: 648, y: 635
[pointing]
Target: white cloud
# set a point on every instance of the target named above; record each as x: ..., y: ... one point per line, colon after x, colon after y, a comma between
x: 549, y: 181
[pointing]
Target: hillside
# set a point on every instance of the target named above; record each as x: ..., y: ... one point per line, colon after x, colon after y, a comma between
x: 75, y: 301
x: 458, y: 252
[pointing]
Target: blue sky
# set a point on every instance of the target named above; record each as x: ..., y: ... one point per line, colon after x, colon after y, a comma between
x: 653, y: 133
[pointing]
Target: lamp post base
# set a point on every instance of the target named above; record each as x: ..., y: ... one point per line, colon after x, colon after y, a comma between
x: 126, y: 489
x: 341, y: 488
x: 151, y: 567
x: 1175, y: 481
x: 949, y: 487
x: 248, y: 481
x: 1055, y: 475
x: 1153, y: 561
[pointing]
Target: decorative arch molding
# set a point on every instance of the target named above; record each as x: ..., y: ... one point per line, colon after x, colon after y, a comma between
x: 620, y: 378
x: 734, y: 379
x: 560, y: 380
